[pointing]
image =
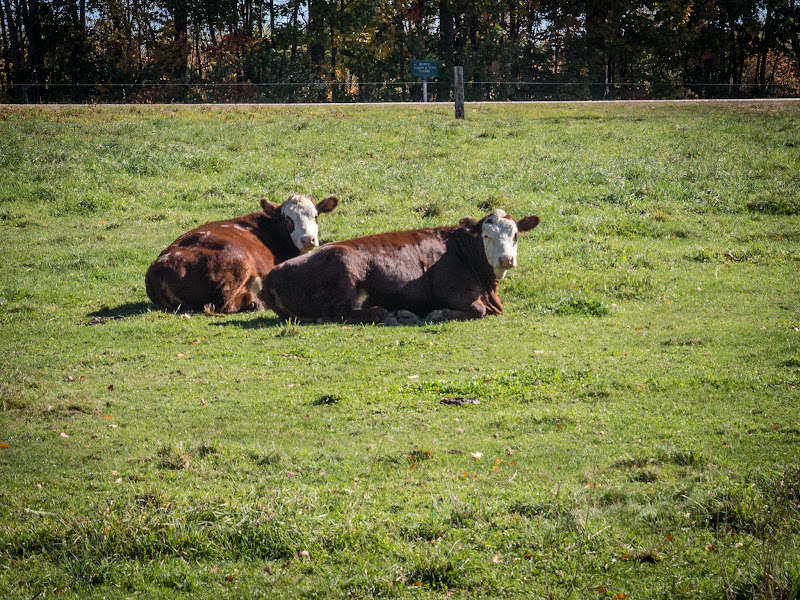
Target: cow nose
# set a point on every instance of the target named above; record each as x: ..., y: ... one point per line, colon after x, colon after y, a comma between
x: 308, y: 240
x: 506, y: 261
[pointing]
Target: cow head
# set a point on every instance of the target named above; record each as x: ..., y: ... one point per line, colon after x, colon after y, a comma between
x: 499, y: 231
x: 300, y: 216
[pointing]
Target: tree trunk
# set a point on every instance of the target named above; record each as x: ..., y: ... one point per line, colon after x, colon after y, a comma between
x: 446, y: 31
x: 293, y: 51
x: 181, y: 18
x: 764, y: 50
x: 272, y: 22
x: 33, y: 31
x: 17, y: 59
x: 316, y: 44
x: 6, y: 52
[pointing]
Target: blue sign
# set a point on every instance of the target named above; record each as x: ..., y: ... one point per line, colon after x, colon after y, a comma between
x: 424, y: 68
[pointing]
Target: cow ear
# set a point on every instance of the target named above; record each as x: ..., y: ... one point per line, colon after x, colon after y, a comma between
x: 527, y: 223
x: 269, y: 207
x: 328, y: 204
x: 470, y: 225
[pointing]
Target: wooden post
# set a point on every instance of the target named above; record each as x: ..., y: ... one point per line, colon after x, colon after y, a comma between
x: 458, y: 91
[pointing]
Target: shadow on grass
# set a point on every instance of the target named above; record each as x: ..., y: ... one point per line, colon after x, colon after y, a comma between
x: 257, y: 323
x: 291, y: 327
x: 123, y: 311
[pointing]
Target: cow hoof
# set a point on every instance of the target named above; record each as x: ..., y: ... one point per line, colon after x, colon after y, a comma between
x: 439, y: 315
x: 406, y: 317
x: 209, y: 309
x: 256, y: 306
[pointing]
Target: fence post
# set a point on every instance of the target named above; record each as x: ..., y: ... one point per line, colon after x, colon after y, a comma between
x: 458, y: 91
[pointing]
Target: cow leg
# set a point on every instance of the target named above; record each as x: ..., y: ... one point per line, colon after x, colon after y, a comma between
x: 242, y: 302
x: 374, y: 314
x: 476, y: 311
x: 246, y: 298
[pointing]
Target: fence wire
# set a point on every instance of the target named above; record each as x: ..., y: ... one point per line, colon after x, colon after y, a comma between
x: 381, y: 91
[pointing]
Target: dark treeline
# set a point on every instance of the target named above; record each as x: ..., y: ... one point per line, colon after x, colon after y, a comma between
x: 358, y: 50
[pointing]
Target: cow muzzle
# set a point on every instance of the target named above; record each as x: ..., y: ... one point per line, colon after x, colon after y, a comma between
x: 308, y: 243
x: 506, y: 261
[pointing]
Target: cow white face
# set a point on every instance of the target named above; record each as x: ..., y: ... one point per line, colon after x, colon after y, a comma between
x: 499, y: 233
x: 301, y: 215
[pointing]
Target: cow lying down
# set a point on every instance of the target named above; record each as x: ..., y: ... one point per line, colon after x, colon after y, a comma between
x: 219, y: 266
x: 437, y: 274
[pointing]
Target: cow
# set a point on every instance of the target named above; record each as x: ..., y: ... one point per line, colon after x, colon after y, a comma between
x: 442, y: 273
x: 220, y: 266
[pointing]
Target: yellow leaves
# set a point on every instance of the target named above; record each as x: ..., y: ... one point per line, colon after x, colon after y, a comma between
x: 5, y: 446
x: 618, y: 596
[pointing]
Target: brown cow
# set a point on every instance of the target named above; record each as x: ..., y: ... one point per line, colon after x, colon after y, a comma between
x: 220, y: 266
x: 439, y: 274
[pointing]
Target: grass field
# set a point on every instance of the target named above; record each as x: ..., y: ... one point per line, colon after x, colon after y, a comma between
x: 638, y: 427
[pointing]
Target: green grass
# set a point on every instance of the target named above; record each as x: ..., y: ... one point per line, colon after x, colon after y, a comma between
x: 636, y: 433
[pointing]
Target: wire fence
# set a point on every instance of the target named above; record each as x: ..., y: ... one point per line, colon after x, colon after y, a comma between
x: 382, y: 91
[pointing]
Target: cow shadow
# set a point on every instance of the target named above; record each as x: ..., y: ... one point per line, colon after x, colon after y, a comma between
x: 256, y: 323
x: 123, y: 311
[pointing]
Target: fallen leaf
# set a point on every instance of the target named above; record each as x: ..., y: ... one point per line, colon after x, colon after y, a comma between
x: 181, y: 355
x: 4, y: 446
x: 497, y: 559
x: 304, y: 554
x: 64, y: 435
x: 602, y: 590
x: 109, y: 417
x: 118, y: 480
x: 203, y: 401
x: 477, y: 455
x: 528, y: 556
x: 625, y: 556
x: 69, y: 379
x: 111, y: 388
x: 619, y: 596
x: 669, y: 536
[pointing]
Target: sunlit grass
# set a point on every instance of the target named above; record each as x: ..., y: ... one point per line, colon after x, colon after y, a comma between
x: 632, y: 425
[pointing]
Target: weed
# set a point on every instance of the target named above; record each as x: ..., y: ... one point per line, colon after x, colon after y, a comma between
x: 570, y: 305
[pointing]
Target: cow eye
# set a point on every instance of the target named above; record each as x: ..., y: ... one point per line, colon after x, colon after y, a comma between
x: 515, y: 237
